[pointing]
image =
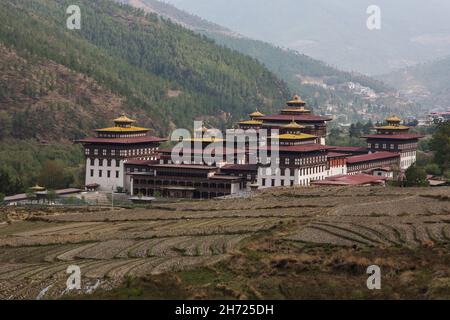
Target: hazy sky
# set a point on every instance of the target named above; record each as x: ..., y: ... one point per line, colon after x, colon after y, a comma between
x: 412, y: 31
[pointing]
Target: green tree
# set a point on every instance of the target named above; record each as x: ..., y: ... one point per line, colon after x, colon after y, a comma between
x: 433, y: 169
x: 2, y: 197
x: 334, y: 136
x: 353, y: 132
x: 53, y: 175
x: 440, y: 144
x: 416, y: 177
x: 5, y: 124
x: 31, y: 195
x: 368, y: 127
x: 447, y: 175
x: 51, y: 196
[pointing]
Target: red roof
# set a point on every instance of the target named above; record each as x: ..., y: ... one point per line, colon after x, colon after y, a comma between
x: 240, y: 167
x: 337, y: 155
x: 297, y: 118
x: 16, y: 197
x: 351, y: 180
x: 146, y: 139
x: 24, y: 196
x: 403, y: 136
x: 140, y: 162
x: 183, y: 166
x: 349, y: 149
x: 223, y: 177
x: 371, y: 157
x: 62, y: 192
x: 310, y: 147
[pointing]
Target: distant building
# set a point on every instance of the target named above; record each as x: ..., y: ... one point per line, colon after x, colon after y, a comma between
x: 182, y: 181
x: 107, y: 153
x: 439, y: 116
x: 336, y: 164
x: 295, y: 112
x: 394, y: 137
x: 386, y: 172
x: 41, y: 195
x: 291, y: 152
x: 297, y: 165
x: 367, y: 162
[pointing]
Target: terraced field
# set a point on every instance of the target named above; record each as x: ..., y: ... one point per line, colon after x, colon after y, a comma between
x: 37, y: 246
x: 412, y: 221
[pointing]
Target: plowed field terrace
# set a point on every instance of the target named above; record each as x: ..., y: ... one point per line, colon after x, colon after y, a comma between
x: 36, y: 246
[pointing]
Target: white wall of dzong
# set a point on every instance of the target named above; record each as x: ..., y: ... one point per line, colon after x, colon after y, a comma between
x: 407, y: 159
x: 268, y: 177
x: 96, y: 173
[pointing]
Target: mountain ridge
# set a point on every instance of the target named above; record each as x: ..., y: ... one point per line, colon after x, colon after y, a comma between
x: 325, y: 88
x: 426, y: 83
x: 412, y: 31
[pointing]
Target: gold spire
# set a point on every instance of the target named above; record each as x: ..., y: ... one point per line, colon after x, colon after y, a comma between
x: 256, y: 114
x: 296, y: 101
x: 393, y: 123
x: 124, y: 119
x: 123, y: 124
x: 393, y: 119
x: 37, y: 188
x: 293, y: 125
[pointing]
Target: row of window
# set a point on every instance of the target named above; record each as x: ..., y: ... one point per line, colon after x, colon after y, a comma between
x: 371, y: 165
x: 122, y: 153
x: 302, y: 171
x: 121, y: 135
x: 297, y: 161
x: 271, y: 183
x: 183, y: 184
x: 392, y: 146
x: 102, y: 161
x: 302, y: 182
x: 100, y: 173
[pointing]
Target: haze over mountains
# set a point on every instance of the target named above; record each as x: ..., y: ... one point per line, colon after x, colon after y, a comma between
x: 413, y: 31
x: 348, y: 96
x: 428, y: 83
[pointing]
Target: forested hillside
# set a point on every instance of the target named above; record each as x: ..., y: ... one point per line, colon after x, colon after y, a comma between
x: 57, y: 84
x: 141, y: 63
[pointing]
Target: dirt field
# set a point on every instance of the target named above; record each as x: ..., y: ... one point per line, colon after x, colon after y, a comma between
x: 282, y: 243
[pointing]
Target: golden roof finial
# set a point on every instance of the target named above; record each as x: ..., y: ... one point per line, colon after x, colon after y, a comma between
x: 293, y: 125
x: 255, y: 114
x: 124, y: 119
x: 37, y: 188
x: 296, y: 101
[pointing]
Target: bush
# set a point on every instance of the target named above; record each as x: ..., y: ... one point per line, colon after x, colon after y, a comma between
x: 433, y: 169
x: 416, y: 177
